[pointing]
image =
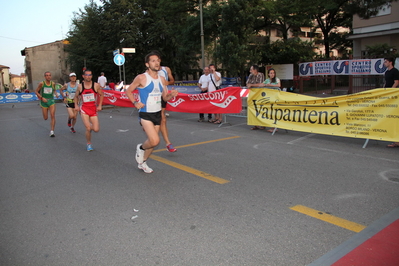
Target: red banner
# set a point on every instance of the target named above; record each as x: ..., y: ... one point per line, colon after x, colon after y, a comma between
x: 222, y: 101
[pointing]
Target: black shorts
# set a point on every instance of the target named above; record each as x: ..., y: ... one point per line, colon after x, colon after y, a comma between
x: 163, y: 103
x: 70, y: 105
x: 155, y: 118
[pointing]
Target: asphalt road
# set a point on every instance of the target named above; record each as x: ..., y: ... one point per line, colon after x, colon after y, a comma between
x: 228, y: 196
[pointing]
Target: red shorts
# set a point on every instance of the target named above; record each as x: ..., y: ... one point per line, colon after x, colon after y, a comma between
x: 89, y: 110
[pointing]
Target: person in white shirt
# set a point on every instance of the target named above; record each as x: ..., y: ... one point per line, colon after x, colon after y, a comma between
x: 215, y: 80
x: 102, y: 80
x: 203, y: 84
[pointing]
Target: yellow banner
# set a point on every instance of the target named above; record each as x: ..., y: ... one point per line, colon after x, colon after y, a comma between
x: 372, y: 114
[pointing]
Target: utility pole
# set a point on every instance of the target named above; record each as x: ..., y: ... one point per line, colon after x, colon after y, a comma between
x: 202, y: 36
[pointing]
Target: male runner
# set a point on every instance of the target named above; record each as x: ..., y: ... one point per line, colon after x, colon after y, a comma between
x: 69, y: 95
x: 45, y: 92
x: 170, y: 80
x: 88, y: 92
x: 152, y: 88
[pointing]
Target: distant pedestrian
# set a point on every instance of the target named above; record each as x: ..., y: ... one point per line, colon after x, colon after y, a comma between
x: 102, y: 80
x: 88, y: 93
x: 45, y: 92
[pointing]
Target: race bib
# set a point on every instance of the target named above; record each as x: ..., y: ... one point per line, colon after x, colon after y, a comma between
x: 71, y: 95
x: 154, y: 102
x: 89, y: 97
x: 48, y: 90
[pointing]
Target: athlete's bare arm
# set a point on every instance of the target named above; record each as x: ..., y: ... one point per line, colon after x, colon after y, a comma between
x: 138, y: 81
x: 100, y: 93
x: 76, y: 98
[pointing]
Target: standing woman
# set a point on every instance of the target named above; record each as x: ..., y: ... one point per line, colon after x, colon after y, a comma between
x: 274, y: 82
x: 69, y: 95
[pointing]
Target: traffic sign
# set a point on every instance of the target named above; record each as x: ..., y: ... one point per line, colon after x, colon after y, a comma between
x: 119, y: 59
x: 129, y: 50
x: 115, y: 52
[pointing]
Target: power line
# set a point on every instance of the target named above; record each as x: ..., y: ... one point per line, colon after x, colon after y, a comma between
x: 18, y: 39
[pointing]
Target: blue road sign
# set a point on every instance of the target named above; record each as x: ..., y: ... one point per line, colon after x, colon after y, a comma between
x: 119, y: 59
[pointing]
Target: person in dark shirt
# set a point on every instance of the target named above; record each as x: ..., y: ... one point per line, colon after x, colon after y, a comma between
x: 392, y: 74
x: 391, y: 81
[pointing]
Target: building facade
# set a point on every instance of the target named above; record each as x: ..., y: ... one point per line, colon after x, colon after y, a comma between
x: 46, y: 57
x: 5, y: 83
x: 380, y: 29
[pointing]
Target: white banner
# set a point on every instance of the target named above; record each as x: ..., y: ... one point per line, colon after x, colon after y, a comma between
x: 343, y: 67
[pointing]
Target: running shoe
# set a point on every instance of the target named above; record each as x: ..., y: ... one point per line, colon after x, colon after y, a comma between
x: 69, y: 123
x: 143, y: 166
x: 73, y: 130
x: 89, y: 147
x: 52, y: 134
x: 171, y: 148
x: 139, y: 154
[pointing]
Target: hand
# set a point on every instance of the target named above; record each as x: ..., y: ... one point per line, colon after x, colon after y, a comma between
x: 174, y: 92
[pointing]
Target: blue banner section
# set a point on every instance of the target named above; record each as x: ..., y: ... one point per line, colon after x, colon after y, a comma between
x: 22, y: 97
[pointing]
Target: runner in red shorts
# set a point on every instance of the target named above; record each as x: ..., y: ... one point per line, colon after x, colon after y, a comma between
x: 87, y: 93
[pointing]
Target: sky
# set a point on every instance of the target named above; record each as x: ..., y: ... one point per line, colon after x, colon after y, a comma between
x: 27, y: 23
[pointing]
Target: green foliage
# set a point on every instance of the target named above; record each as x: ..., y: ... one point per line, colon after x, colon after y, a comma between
x: 231, y: 32
x: 337, y: 13
x: 234, y: 47
x: 285, y: 52
x: 381, y: 50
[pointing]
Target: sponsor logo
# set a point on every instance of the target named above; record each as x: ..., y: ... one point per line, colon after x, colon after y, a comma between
x: 110, y: 97
x: 341, y: 68
x: 306, y: 69
x: 174, y: 104
x: 26, y: 96
x: 379, y: 66
x: 226, y: 103
x: 11, y: 97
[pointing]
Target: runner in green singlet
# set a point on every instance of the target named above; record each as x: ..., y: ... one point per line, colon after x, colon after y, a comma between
x: 45, y: 92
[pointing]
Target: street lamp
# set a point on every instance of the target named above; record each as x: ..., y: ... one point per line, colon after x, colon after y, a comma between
x: 202, y: 36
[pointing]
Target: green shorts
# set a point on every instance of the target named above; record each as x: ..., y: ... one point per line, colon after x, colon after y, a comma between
x: 49, y: 103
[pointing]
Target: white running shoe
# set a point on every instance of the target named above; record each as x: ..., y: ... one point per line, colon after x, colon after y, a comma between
x: 145, y: 168
x: 139, y: 154
x: 52, y: 134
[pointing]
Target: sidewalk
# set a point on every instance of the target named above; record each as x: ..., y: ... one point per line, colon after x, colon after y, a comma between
x: 376, y: 245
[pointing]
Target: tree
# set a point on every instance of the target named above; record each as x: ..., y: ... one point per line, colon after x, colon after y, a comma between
x: 338, y: 13
x: 86, y: 45
x: 381, y: 50
x: 285, y: 52
x: 236, y: 28
x: 286, y: 15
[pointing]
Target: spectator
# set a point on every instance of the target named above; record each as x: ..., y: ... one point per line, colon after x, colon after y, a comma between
x: 203, y: 83
x: 274, y: 82
x: 255, y: 79
x: 102, y: 80
x: 391, y: 81
x: 214, y: 84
